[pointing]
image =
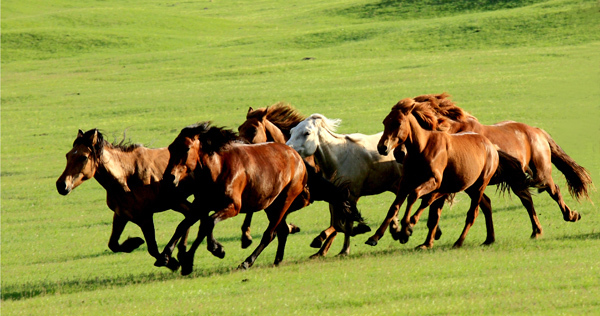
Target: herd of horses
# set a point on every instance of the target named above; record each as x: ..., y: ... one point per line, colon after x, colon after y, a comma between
x: 281, y: 161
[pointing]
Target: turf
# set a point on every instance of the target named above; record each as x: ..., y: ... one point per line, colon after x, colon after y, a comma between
x: 150, y: 68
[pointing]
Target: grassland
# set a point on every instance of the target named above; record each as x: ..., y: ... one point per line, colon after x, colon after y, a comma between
x: 153, y: 67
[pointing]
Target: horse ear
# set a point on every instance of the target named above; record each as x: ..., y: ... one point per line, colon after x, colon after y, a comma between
x: 250, y: 109
x: 80, y: 134
x: 94, y: 137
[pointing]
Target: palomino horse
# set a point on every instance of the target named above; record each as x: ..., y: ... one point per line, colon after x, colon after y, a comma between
x: 439, y: 164
x: 274, y: 123
x: 131, y: 177
x: 352, y: 157
x: 229, y: 178
x: 533, y: 147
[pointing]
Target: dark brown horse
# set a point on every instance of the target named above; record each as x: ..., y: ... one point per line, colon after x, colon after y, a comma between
x: 229, y: 178
x: 531, y: 146
x: 274, y: 123
x: 131, y: 177
x: 439, y: 164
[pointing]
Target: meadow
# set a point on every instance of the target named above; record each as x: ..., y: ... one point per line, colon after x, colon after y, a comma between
x: 143, y: 70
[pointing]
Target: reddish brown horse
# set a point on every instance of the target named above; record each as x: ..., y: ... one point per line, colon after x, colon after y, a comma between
x: 274, y: 123
x: 439, y: 164
x: 531, y: 146
x: 229, y: 178
x: 131, y: 177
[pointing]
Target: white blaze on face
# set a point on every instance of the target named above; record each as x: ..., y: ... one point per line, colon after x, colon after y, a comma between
x: 304, y: 138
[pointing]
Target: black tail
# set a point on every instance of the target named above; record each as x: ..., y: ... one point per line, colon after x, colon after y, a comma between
x: 578, y: 178
x: 510, y: 174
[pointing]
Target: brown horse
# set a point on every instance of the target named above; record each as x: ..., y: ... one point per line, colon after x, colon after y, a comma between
x: 229, y: 178
x: 274, y: 123
x: 131, y: 177
x: 531, y: 146
x: 439, y: 164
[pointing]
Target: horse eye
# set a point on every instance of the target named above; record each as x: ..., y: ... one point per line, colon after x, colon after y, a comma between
x: 306, y: 133
x: 82, y: 158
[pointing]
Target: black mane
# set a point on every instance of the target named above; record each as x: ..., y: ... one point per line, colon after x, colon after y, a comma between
x: 87, y: 140
x: 212, y: 138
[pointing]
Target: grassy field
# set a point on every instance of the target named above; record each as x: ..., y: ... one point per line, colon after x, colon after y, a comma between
x: 151, y: 68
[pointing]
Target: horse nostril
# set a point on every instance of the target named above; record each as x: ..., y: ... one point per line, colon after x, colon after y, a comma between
x: 382, y: 149
x: 62, y: 188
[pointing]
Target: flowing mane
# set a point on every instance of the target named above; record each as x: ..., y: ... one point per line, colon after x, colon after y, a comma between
x: 444, y: 107
x: 424, y: 114
x: 213, y: 139
x: 282, y: 115
x: 330, y: 125
x: 87, y: 140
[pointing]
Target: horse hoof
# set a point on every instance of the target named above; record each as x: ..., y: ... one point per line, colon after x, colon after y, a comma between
x: 244, y: 266
x: 371, y: 242
x: 316, y: 243
x: 438, y: 234
x: 162, y: 261
x: 361, y: 228
x: 173, y: 264
x: 246, y: 242
x: 457, y: 245
x: 316, y: 255
x: 488, y: 242
x: 423, y: 247
x: 293, y: 228
x: 403, y: 239
x: 218, y: 252
x: 186, y: 270
x: 131, y: 244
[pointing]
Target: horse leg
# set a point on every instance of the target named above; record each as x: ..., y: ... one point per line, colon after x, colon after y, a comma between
x: 326, y: 244
x: 180, y: 231
x: 392, y: 213
x: 568, y: 214
x: 187, y: 258
x: 246, y: 237
x: 486, y: 207
x: 276, y: 214
x: 324, y: 235
x: 527, y: 201
x: 435, y: 210
x: 346, y: 248
x: 471, y: 214
x: 118, y: 225
x: 147, y: 226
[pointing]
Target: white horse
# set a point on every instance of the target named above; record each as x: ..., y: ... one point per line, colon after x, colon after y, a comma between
x: 352, y: 158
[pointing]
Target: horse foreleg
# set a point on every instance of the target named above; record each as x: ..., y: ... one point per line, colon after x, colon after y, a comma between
x: 346, y: 248
x: 182, y: 228
x: 392, y: 213
x: 282, y: 233
x: 326, y: 244
x: 118, y: 225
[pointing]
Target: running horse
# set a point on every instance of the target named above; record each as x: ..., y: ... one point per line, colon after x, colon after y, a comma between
x: 352, y: 157
x: 274, y: 123
x: 230, y: 177
x: 438, y: 165
x: 531, y: 146
x: 131, y: 176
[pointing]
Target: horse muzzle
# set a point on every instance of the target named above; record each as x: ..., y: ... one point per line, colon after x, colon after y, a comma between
x: 63, y: 188
x: 383, y: 150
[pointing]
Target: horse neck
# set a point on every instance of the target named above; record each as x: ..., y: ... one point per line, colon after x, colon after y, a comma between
x: 275, y: 133
x: 470, y: 125
x: 417, y: 137
x: 114, y: 168
x: 330, y: 147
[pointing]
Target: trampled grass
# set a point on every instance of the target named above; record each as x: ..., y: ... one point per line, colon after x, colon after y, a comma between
x: 154, y: 67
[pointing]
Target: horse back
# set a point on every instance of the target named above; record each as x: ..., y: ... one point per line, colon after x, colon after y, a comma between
x: 258, y: 173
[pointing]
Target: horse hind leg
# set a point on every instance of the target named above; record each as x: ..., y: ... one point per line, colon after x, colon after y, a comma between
x: 486, y: 208
x: 246, y: 237
x: 435, y: 210
x: 326, y: 244
x: 471, y: 215
x: 527, y: 201
x: 568, y: 214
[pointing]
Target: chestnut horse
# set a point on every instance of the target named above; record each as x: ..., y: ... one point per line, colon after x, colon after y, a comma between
x: 437, y: 165
x: 274, y: 123
x: 229, y: 177
x: 131, y: 177
x: 533, y: 147
x: 270, y: 124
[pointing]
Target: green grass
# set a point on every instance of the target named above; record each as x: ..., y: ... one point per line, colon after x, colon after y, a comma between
x: 154, y: 67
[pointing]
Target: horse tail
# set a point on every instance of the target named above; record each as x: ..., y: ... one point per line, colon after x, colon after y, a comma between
x: 578, y: 178
x: 509, y: 174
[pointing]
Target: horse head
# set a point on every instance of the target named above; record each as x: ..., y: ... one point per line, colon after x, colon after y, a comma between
x: 253, y: 130
x: 82, y: 161
x: 396, y: 127
x: 304, y: 137
x: 183, y: 159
